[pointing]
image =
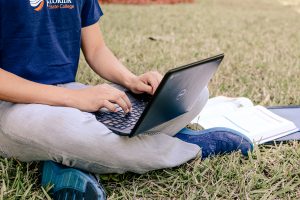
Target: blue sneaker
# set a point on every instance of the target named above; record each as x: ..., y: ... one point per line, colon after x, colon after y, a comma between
x: 216, y: 140
x: 70, y: 183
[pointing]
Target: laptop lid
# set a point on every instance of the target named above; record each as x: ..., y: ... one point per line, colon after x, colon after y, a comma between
x: 177, y: 93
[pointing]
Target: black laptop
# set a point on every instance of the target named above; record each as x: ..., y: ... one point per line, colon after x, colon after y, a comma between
x: 177, y: 93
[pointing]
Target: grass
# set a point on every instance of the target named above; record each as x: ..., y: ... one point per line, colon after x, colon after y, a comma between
x: 260, y: 39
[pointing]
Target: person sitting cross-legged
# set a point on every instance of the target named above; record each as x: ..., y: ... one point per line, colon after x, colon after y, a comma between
x: 45, y: 115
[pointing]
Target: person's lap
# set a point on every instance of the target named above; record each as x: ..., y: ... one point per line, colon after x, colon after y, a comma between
x: 66, y: 135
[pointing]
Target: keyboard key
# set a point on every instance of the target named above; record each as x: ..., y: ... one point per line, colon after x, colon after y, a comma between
x: 120, y: 119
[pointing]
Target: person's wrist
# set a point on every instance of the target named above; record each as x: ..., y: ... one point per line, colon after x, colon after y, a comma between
x: 130, y: 82
x: 70, y: 98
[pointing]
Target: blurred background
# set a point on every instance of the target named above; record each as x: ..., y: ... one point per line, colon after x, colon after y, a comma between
x: 260, y: 39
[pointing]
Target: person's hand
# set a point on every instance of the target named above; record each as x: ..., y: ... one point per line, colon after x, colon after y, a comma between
x: 94, y: 98
x: 147, y: 82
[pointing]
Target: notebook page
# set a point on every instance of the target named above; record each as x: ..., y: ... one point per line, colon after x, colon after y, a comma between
x: 257, y: 123
x: 219, y: 106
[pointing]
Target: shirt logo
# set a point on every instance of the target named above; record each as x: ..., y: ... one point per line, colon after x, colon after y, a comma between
x: 51, y: 4
x: 37, y: 4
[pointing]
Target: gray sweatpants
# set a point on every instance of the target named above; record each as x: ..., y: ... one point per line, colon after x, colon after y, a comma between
x: 31, y: 132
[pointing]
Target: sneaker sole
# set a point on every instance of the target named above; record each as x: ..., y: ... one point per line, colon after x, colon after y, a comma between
x: 71, y: 184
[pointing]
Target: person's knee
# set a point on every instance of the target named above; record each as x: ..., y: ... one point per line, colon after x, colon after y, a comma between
x: 51, y: 127
x: 31, y: 118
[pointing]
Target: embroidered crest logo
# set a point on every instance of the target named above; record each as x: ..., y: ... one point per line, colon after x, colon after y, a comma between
x: 37, y: 4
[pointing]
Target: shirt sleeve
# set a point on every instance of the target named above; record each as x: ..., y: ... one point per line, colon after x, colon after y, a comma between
x: 91, y: 12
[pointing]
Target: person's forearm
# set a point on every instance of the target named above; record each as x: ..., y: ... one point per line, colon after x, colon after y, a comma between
x: 102, y: 60
x: 105, y: 64
x: 18, y: 90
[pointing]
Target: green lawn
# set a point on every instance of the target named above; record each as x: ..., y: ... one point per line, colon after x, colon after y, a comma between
x: 260, y: 39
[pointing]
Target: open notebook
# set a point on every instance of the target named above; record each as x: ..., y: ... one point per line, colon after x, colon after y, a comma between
x: 256, y: 122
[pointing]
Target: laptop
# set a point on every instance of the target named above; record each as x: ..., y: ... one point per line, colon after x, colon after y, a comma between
x: 177, y: 93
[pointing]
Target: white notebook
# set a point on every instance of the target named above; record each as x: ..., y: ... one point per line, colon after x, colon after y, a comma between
x: 256, y: 122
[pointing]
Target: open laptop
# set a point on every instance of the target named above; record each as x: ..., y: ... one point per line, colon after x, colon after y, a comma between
x: 177, y: 93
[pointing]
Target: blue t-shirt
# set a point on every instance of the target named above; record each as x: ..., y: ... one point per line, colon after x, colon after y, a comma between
x: 40, y: 39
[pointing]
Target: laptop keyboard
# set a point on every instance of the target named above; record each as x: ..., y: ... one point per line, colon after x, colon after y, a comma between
x: 121, y: 120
